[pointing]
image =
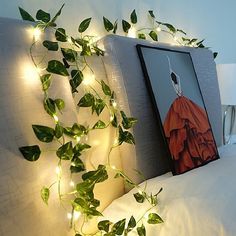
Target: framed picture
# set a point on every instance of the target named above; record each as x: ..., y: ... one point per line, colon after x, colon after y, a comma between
x: 177, y: 98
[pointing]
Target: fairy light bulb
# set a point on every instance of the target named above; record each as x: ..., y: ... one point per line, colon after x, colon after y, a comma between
x: 72, y: 184
x: 111, y: 117
x: 132, y: 32
x: 58, y: 170
x: 114, y: 104
x: 89, y: 79
x: 113, y: 167
x: 69, y: 40
x: 76, y: 214
x: 55, y: 117
x: 37, y: 33
x: 77, y: 139
x: 116, y: 141
x: 158, y: 29
x: 69, y: 216
x: 140, y: 192
x: 175, y: 38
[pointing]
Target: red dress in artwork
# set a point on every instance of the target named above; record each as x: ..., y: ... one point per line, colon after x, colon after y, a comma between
x: 188, y: 132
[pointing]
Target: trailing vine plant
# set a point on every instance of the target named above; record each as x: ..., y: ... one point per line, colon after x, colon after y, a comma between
x: 72, y: 65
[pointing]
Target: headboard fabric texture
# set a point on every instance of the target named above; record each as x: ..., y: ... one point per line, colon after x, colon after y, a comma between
x: 126, y: 77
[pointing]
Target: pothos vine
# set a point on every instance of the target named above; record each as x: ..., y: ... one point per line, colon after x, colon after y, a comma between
x: 72, y: 65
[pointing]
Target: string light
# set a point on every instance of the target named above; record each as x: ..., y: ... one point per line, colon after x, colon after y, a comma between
x: 69, y: 216
x: 77, y: 214
x: 111, y: 118
x: 69, y: 40
x: 55, y: 118
x: 88, y: 80
x: 37, y: 33
x: 72, y: 184
x: 132, y: 32
x: 77, y: 139
x: 113, y: 167
x: 58, y: 170
x: 114, y: 104
x: 140, y: 192
x: 158, y: 29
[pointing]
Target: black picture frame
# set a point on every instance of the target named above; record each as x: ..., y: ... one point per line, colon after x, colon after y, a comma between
x: 207, y: 148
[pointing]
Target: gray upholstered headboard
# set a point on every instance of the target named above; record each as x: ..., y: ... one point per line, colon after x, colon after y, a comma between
x: 126, y: 77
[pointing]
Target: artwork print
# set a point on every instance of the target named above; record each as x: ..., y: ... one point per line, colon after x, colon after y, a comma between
x: 180, y: 108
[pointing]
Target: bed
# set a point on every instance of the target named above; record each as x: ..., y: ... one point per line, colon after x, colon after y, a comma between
x: 200, y: 202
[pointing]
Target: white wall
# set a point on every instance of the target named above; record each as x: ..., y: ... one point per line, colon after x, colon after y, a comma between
x: 213, y: 20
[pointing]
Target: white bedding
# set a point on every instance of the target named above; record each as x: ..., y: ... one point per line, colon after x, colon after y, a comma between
x: 199, y: 202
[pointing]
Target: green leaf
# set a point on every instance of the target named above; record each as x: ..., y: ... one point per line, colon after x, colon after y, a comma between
x: 78, y: 129
x: 99, y: 125
x: 49, y: 106
x: 118, y: 227
x: 181, y: 31
x: 46, y: 81
x: 215, y: 54
x: 86, y: 50
x: 57, y: 67
x: 114, y: 121
x: 139, y: 197
x: 132, y: 223
x: 133, y: 17
x: 170, y: 27
x: 45, y: 193
x: 154, y: 218
x: 153, y: 35
x: 104, y: 225
x: 77, y: 165
x: 98, y: 51
x: 115, y: 27
x: 59, y: 130
x: 126, y: 26
x: 107, y: 24
x: 69, y: 54
x: 87, y: 100
x: 30, y: 153
x: 59, y: 103
x: 127, y: 122
x: 65, y: 152
x: 141, y: 36
x: 60, y: 35
x: 43, y: 16
x: 51, y: 46
x: 77, y: 77
x: 84, y: 25
x: 141, y: 230
x: 125, y: 136
x: 151, y: 14
x: 96, y: 176
x: 79, y: 147
x: 43, y: 133
x: 99, y: 105
x: 57, y: 14
x: 25, y: 15
x: 105, y: 88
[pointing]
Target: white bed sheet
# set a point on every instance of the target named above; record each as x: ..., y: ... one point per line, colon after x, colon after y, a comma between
x: 199, y: 202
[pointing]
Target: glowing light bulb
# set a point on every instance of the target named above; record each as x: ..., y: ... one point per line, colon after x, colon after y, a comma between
x: 116, y: 141
x: 72, y: 163
x: 72, y: 184
x: 69, y: 40
x: 113, y: 167
x: 58, y: 170
x: 114, y: 104
x: 111, y: 117
x: 77, y: 139
x: 132, y: 32
x: 88, y: 80
x: 37, y: 33
x: 69, y: 216
x: 158, y: 29
x: 146, y: 216
x: 192, y: 45
x: 175, y: 38
x: 140, y: 192
x: 30, y: 73
x: 77, y: 214
x: 55, y: 118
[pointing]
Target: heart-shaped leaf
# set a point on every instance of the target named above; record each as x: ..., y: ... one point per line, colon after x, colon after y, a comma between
x: 154, y: 218
x: 87, y: 100
x: 133, y: 17
x: 153, y: 35
x: 43, y: 133
x: 30, y: 153
x: 51, y: 46
x: 104, y: 225
x: 107, y: 24
x: 43, y: 16
x: 45, y: 193
x: 60, y: 35
x: 25, y: 15
x: 46, y: 81
x: 57, y: 67
x: 126, y: 26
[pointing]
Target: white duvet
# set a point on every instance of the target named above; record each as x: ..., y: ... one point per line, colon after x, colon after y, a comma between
x: 199, y: 202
